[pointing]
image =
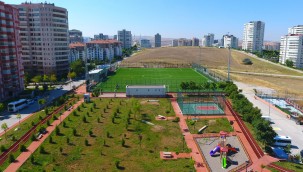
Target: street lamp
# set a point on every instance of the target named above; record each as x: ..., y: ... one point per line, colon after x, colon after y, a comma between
x: 228, y: 67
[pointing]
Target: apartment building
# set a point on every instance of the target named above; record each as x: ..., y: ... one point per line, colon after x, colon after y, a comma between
x: 76, y: 51
x: 195, y: 42
x: 75, y: 36
x: 145, y: 43
x: 253, y: 36
x: 101, y: 36
x: 103, y: 49
x: 229, y: 41
x: 44, y: 38
x: 291, y: 47
x: 157, y: 40
x: 125, y: 37
x: 174, y: 43
x: 208, y: 40
x: 11, y: 68
x: 272, y: 46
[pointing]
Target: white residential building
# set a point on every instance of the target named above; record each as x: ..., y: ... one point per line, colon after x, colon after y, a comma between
x: 229, y: 40
x: 253, y: 36
x: 292, y: 47
x: 296, y: 30
x: 125, y: 37
x: 76, y: 51
x: 103, y: 49
x: 145, y: 43
x: 208, y: 40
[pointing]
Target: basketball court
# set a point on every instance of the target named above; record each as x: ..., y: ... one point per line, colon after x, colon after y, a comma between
x: 201, y: 108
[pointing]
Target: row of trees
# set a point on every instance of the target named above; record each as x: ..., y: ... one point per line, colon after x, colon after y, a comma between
x: 191, y: 85
x: 263, y: 131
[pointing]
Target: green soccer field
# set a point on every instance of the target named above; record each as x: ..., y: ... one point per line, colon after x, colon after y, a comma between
x: 171, y: 77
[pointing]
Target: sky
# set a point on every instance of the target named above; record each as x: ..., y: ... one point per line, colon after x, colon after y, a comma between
x: 179, y: 18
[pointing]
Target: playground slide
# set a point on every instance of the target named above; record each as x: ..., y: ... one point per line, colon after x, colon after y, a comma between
x: 212, y: 152
x: 224, y: 163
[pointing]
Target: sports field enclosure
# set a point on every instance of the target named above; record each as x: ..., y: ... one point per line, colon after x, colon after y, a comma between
x: 171, y: 77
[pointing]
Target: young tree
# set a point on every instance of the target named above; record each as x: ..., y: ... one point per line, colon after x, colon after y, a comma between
x: 289, y: 63
x: 41, y: 102
x: 53, y: 78
x: 1, y: 107
x: 18, y: 117
x: 37, y: 79
x: 4, y: 127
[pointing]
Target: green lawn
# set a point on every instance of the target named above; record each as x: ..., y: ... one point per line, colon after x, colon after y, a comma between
x: 105, y: 147
x: 13, y: 135
x: 289, y: 165
x: 215, y: 125
x: 172, y: 77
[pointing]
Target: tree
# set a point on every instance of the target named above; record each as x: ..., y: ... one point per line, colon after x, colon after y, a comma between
x: 78, y: 67
x: 1, y: 107
x: 289, y: 63
x: 53, y: 78
x: 19, y: 117
x: 45, y: 78
x: 71, y: 75
x: 37, y: 79
x: 41, y: 102
x: 4, y: 127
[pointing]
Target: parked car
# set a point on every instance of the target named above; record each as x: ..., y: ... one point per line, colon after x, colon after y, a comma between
x: 30, y: 101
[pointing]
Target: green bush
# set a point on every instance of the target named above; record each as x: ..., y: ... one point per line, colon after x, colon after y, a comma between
x: 247, y: 61
x: 23, y: 148
x: 177, y: 119
x: 11, y: 158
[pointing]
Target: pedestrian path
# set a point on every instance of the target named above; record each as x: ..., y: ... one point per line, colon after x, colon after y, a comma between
x: 35, y: 145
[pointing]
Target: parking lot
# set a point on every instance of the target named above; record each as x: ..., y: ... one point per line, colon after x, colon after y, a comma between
x: 280, y: 123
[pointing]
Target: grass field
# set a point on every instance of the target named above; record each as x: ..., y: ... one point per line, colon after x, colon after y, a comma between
x: 104, y: 132
x: 171, y: 77
x: 216, y: 59
x: 214, y: 125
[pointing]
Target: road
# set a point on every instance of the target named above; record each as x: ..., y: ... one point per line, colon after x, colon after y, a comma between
x: 11, y: 118
x: 268, y: 74
x: 280, y: 123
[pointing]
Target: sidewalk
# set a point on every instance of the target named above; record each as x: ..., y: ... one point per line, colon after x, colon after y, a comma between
x: 35, y: 145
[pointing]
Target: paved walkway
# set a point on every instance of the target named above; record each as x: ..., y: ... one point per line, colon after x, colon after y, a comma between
x: 34, y: 145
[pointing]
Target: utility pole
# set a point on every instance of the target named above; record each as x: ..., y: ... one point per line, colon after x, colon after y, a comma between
x: 228, y: 68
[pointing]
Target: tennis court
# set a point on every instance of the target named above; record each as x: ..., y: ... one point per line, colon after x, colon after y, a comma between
x: 201, y: 108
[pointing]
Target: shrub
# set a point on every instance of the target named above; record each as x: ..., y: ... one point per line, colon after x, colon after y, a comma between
x: 86, y: 142
x: 117, y: 164
x: 33, y: 123
x: 90, y: 132
x: 91, y: 109
x: 48, y: 123
x: 167, y: 111
x: 2, y: 148
x: 107, y: 134
x: 55, y: 117
x: 75, y: 132
x: 78, y: 108
x: 33, y: 138
x: 84, y: 119
x: 94, y: 105
x: 113, y: 120
x: 75, y: 113
x: 67, y: 140
x: 177, y: 119
x: 57, y: 131
x: 247, y: 61
x: 23, y: 148
x: 50, y: 139
x: 99, y: 121
x: 61, y: 150
x: 42, y: 150
x: 11, y: 158
x: 32, y: 159
x: 40, y: 117
x: 123, y: 142
x: 64, y: 124
x: 13, y: 138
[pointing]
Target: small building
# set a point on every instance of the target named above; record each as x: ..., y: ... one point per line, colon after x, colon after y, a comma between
x: 97, y: 75
x: 145, y: 90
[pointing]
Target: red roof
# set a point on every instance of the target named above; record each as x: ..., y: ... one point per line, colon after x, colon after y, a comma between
x: 109, y: 41
x: 76, y: 44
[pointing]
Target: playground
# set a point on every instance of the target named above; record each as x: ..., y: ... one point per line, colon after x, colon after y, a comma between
x: 222, y: 153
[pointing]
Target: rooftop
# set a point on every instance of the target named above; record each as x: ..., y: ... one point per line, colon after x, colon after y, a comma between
x: 76, y: 44
x: 108, y: 41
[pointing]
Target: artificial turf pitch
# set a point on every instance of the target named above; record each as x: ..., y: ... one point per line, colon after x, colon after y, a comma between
x: 171, y: 77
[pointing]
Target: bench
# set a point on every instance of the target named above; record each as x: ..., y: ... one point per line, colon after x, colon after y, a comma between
x: 167, y: 155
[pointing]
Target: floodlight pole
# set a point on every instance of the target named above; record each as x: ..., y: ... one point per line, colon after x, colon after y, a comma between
x: 228, y: 68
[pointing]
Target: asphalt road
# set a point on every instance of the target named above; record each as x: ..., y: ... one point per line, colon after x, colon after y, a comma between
x: 11, y: 118
x: 280, y: 123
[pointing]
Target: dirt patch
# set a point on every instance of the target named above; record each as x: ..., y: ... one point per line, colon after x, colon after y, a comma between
x: 149, y: 102
x: 211, y: 122
x: 157, y: 128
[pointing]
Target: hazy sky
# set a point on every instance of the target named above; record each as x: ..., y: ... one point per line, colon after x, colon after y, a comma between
x: 179, y: 18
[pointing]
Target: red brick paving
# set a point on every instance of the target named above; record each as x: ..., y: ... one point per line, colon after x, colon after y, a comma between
x: 34, y: 145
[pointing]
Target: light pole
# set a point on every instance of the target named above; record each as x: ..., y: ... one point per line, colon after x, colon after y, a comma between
x: 228, y: 67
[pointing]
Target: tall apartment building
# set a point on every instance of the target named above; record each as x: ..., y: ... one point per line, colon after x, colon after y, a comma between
x: 195, y: 42
x: 125, y: 37
x: 75, y: 36
x: 229, y: 40
x: 101, y: 36
x: 76, y: 51
x: 11, y: 68
x: 174, y: 43
x: 208, y: 40
x: 296, y: 30
x: 157, y: 40
x: 145, y: 43
x: 272, y: 46
x: 103, y: 49
x: 291, y: 47
x: 253, y: 36
x: 44, y: 38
